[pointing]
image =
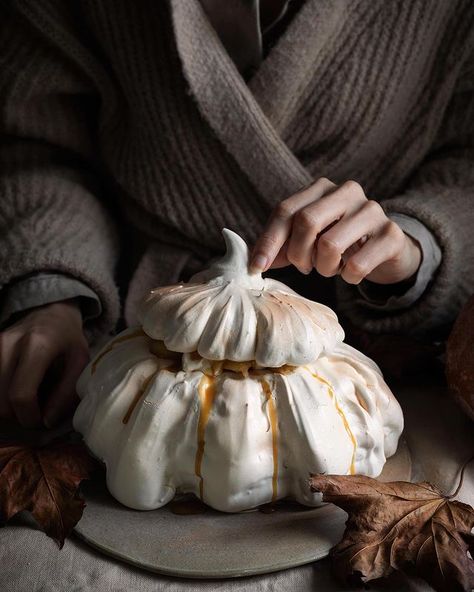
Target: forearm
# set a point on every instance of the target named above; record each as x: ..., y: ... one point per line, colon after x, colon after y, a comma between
x: 440, y: 195
x: 53, y: 217
x: 61, y: 228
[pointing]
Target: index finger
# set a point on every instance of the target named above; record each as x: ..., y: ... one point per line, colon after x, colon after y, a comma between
x: 278, y: 228
x: 36, y: 356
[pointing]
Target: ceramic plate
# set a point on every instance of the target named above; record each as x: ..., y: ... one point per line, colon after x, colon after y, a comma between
x: 215, y: 544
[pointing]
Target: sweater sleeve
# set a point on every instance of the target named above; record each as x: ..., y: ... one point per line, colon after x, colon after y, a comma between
x: 41, y: 288
x: 53, y: 213
x: 440, y: 194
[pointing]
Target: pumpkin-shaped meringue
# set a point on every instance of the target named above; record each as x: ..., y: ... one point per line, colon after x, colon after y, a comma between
x: 233, y: 388
x: 226, y: 313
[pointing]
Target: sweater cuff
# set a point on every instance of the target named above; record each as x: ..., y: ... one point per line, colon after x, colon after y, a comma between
x: 403, y: 295
x: 43, y: 288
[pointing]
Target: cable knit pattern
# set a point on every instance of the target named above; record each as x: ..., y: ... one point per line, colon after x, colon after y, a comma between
x: 117, y: 113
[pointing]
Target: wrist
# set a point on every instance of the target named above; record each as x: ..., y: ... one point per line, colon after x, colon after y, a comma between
x: 413, y: 257
x: 71, y: 307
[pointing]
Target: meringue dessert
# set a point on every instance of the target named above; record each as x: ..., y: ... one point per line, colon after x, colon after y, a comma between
x: 234, y: 388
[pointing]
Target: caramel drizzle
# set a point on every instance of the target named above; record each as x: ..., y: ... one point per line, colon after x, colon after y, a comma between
x: 109, y: 348
x: 207, y: 394
x: 273, y: 419
x: 246, y: 369
x: 344, y: 419
x: 138, y: 396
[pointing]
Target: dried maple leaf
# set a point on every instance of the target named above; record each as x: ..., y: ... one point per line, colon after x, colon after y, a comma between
x: 44, y: 481
x: 410, y: 527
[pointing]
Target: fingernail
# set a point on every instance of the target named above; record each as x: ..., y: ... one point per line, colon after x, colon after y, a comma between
x: 258, y: 263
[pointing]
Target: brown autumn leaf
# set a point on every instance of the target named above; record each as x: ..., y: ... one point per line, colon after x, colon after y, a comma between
x: 44, y: 480
x: 410, y: 527
x: 460, y: 359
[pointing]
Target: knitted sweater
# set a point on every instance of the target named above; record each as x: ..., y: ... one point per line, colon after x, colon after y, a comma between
x: 132, y: 122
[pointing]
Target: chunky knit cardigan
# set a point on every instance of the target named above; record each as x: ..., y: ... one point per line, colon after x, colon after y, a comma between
x: 129, y: 135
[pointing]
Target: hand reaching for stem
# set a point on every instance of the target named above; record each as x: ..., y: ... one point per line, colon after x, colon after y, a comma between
x: 46, y: 340
x: 336, y: 230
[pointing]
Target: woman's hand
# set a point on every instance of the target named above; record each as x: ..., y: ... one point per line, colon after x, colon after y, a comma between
x: 336, y: 230
x: 47, y: 341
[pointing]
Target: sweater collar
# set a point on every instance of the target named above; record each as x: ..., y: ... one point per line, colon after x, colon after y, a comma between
x: 240, y: 25
x: 250, y: 119
x: 237, y: 24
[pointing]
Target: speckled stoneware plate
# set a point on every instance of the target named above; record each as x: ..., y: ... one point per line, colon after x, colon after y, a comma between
x: 215, y: 544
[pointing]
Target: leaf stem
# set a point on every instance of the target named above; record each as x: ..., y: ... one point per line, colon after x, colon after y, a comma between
x: 461, y: 477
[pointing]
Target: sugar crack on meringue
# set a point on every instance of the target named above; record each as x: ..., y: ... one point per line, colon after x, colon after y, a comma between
x: 234, y: 388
